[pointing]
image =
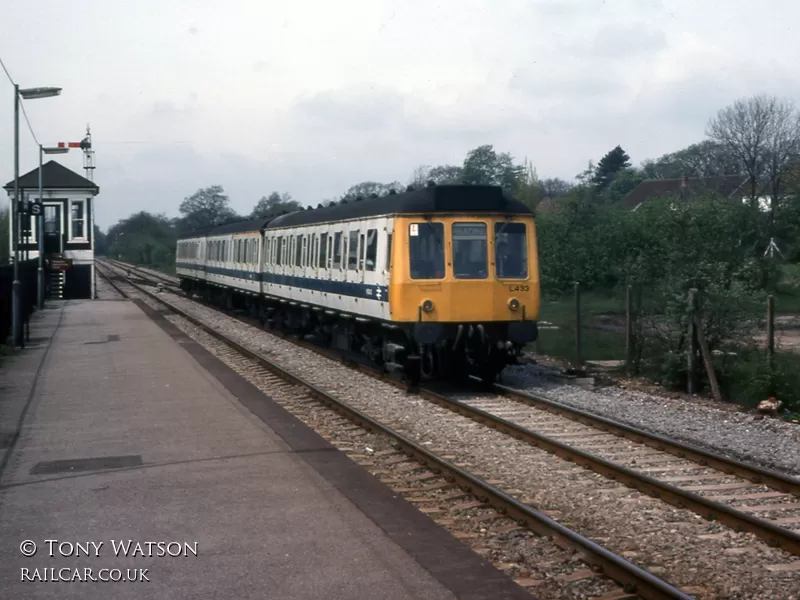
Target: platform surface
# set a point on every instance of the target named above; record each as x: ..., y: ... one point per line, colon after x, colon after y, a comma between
x: 126, y: 436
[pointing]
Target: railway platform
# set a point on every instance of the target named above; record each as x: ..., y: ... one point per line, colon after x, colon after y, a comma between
x: 128, y: 452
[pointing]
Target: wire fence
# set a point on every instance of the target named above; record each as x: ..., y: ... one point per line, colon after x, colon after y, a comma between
x: 739, y: 350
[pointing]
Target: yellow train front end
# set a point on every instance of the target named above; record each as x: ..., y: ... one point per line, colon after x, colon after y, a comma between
x: 466, y: 289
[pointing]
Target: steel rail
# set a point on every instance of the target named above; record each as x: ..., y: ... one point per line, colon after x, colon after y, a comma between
x: 633, y: 579
x: 774, y: 535
x: 753, y: 473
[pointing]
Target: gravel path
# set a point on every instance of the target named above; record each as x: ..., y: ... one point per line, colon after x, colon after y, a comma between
x: 769, y: 442
x: 707, y: 558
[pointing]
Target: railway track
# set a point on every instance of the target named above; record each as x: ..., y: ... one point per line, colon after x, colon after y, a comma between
x: 713, y: 486
x: 430, y: 478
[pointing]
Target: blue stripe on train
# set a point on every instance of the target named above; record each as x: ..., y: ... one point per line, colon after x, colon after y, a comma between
x: 340, y: 288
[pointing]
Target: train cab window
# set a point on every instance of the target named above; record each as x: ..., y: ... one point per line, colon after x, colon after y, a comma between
x: 352, y: 251
x: 470, y: 256
x: 511, y: 250
x: 323, y: 250
x: 426, y: 250
x: 372, y: 249
x: 337, y: 250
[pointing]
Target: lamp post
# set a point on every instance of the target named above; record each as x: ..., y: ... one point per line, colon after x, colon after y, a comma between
x: 40, y: 229
x: 16, y: 286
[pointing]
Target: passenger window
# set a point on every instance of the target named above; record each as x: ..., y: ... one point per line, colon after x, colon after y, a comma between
x: 361, y: 250
x: 323, y: 250
x: 470, y: 255
x: 511, y: 250
x: 267, y: 251
x: 388, y: 251
x: 298, y: 250
x: 352, y: 251
x: 280, y: 251
x: 372, y: 249
x: 337, y: 250
x: 426, y: 250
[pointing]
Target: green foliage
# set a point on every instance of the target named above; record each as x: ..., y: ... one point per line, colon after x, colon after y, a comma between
x: 614, y: 161
x: 274, y: 204
x: 100, y: 242
x: 207, y: 207
x: 698, y: 160
x: 365, y: 189
x: 143, y: 239
x: 622, y: 184
x: 484, y: 166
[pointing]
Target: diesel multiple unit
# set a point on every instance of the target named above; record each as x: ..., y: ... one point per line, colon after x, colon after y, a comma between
x: 437, y: 282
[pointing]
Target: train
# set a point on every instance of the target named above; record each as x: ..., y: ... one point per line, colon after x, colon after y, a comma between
x: 434, y: 282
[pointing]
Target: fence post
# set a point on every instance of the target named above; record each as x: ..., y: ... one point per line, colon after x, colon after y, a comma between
x: 770, y: 331
x: 692, y: 342
x: 629, y: 329
x: 578, y: 357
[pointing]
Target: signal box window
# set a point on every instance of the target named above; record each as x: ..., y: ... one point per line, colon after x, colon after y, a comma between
x: 426, y: 250
x: 470, y: 256
x: 511, y: 250
x: 78, y: 219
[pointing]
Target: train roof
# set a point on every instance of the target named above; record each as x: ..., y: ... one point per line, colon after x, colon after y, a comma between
x: 429, y: 200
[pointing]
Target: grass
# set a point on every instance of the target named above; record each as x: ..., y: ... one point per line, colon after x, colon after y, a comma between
x: 787, y: 290
x: 596, y: 343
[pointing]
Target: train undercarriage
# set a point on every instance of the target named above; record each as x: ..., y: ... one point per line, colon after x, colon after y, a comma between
x: 413, y: 351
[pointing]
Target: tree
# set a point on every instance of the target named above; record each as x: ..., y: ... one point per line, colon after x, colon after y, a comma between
x: 145, y: 239
x: 207, y: 207
x: 622, y: 184
x: 366, y: 188
x: 613, y: 162
x: 763, y: 133
x: 486, y: 167
x: 705, y: 159
x: 442, y: 174
x: 274, y: 204
x: 554, y: 187
x: 100, y: 242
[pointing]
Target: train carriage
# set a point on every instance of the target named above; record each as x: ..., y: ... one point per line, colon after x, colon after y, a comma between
x: 440, y: 281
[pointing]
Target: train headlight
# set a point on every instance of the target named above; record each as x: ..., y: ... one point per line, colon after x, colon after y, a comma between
x: 513, y: 304
x: 427, y: 306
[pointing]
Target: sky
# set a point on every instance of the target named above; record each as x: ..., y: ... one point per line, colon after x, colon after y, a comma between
x: 311, y: 97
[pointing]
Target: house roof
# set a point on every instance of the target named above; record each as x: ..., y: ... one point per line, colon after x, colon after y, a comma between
x: 724, y: 185
x: 54, y: 176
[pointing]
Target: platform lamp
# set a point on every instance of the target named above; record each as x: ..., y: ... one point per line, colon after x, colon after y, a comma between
x: 40, y: 228
x: 16, y: 287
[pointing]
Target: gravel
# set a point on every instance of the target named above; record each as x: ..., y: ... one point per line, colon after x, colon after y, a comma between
x: 769, y: 442
x: 672, y: 543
